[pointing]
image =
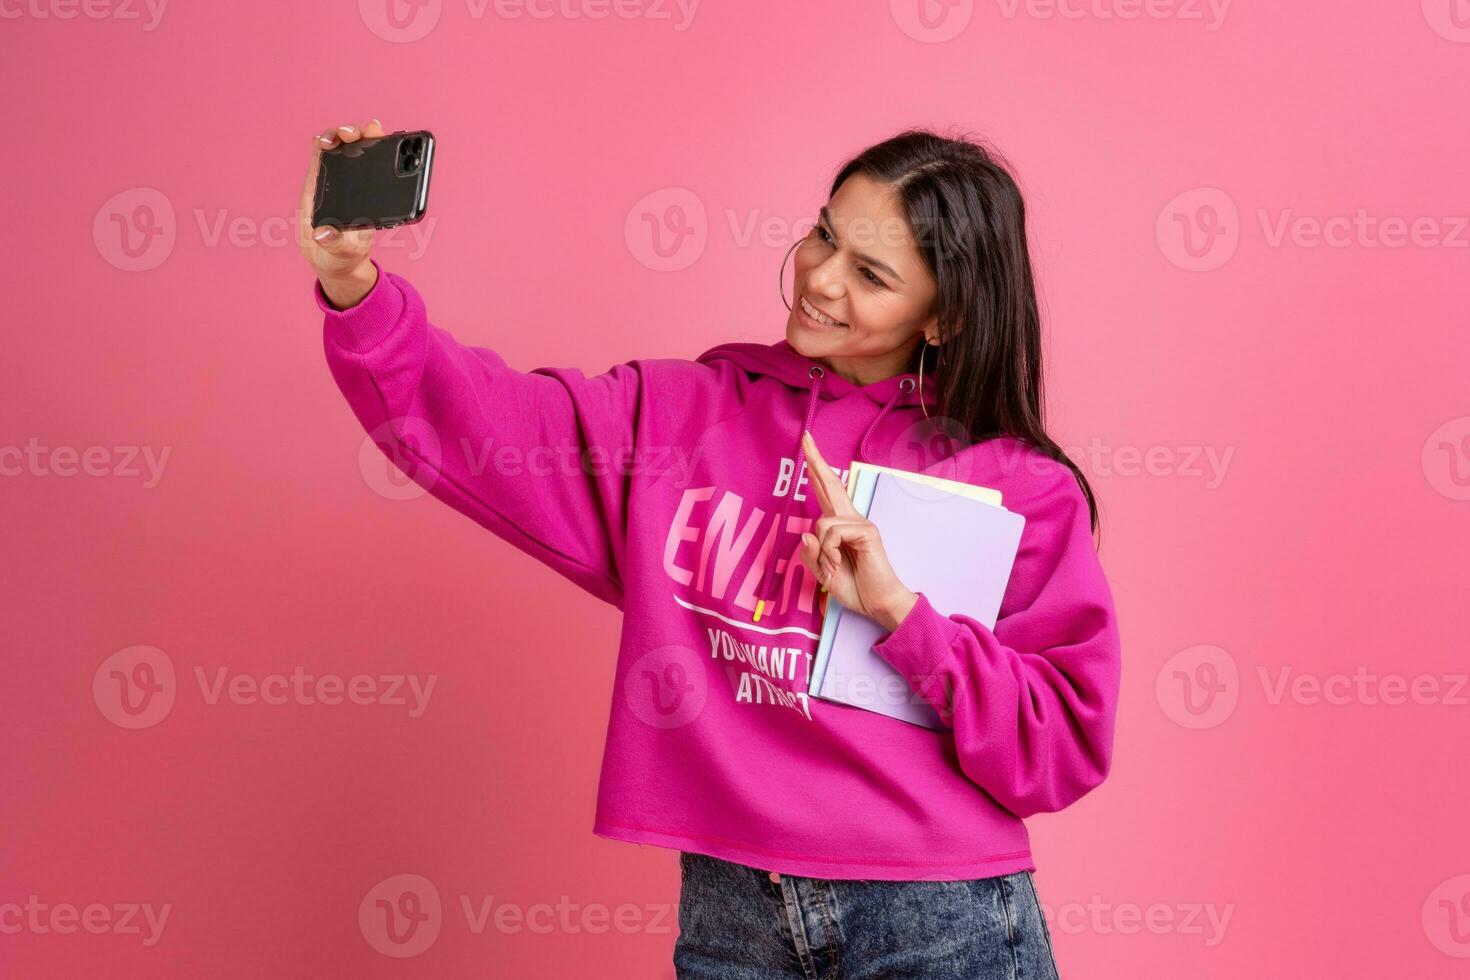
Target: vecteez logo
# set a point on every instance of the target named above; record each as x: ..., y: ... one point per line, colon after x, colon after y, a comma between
x: 148, y: 13
x: 1201, y: 686
x: 135, y: 229
x: 1446, y: 917
x: 400, y: 21
x: 400, y: 459
x: 1199, y: 230
x: 937, y: 21
x: 932, y: 21
x: 1445, y: 459
x: 667, y: 230
x: 135, y: 687
x: 1209, y: 13
x: 41, y: 917
x: 1450, y: 19
x: 37, y: 461
x: 666, y: 687
x: 406, y: 21
x: 401, y: 916
x: 1198, y: 687
x: 935, y: 446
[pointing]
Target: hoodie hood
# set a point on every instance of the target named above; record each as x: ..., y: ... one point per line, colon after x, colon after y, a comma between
x: 782, y: 362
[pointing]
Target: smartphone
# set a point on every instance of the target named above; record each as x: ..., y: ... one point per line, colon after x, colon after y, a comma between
x: 376, y: 182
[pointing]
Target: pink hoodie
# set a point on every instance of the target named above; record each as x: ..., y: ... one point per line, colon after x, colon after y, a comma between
x: 661, y: 487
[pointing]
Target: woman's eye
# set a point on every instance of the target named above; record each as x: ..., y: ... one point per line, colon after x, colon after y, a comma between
x: 863, y: 270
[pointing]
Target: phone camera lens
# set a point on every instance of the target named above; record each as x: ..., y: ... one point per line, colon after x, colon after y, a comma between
x: 411, y: 162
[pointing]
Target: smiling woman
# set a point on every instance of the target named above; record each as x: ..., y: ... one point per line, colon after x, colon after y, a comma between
x: 816, y: 839
x: 920, y: 253
x: 864, y: 296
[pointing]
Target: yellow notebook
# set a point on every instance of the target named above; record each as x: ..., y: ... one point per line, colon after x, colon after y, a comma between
x: 951, y: 486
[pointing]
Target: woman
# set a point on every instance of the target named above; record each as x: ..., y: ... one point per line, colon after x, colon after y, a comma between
x: 815, y: 839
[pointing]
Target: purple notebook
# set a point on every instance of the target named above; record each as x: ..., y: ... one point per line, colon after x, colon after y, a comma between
x: 956, y: 550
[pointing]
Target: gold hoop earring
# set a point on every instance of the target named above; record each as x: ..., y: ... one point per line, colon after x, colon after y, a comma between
x: 781, y: 276
x: 923, y: 404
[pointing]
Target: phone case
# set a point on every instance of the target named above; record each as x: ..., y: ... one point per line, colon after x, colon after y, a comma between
x: 378, y: 182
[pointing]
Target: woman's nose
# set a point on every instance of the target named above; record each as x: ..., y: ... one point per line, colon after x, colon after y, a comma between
x: 823, y: 280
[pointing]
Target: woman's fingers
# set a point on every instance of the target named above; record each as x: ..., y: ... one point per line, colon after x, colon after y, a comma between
x: 831, y: 493
x: 811, y: 556
x: 332, y: 250
x: 368, y: 130
x: 325, y: 140
x: 319, y: 142
x: 810, y: 549
x: 819, y: 486
x: 832, y: 538
x: 344, y: 247
x: 837, y: 510
x: 834, y: 532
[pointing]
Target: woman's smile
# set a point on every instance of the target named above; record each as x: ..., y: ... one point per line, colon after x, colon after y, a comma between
x: 815, y: 318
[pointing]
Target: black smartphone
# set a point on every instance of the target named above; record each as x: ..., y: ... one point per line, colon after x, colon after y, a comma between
x: 376, y: 182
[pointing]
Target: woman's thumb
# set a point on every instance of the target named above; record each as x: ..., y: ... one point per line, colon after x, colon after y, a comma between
x: 342, y: 249
x: 329, y: 238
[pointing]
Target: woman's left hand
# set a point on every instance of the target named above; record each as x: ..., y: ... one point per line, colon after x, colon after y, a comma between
x: 845, y: 553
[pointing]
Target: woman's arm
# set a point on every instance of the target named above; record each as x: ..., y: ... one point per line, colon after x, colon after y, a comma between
x: 542, y: 458
x: 1032, y: 703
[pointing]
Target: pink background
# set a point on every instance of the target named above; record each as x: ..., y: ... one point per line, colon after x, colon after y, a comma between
x: 1246, y: 830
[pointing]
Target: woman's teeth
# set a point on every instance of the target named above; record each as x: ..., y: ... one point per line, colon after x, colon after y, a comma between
x: 818, y: 315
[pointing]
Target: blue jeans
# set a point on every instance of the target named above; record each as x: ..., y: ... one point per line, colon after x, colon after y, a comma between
x: 739, y: 923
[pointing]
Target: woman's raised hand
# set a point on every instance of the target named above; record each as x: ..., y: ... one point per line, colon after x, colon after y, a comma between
x: 340, y: 259
x: 845, y: 552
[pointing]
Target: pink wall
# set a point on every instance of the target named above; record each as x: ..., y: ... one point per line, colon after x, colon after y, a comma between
x: 1250, y: 227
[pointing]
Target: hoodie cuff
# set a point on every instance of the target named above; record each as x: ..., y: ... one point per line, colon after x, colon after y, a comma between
x: 920, y: 644
x: 362, y: 327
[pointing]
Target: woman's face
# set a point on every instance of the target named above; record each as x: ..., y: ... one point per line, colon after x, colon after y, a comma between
x: 864, y: 297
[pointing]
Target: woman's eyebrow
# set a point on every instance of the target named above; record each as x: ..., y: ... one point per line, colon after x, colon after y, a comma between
x: 827, y: 217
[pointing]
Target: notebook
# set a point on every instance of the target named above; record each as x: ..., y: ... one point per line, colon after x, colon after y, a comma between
x: 954, y: 542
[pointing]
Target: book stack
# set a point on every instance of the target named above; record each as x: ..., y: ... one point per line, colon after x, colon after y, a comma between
x: 950, y: 540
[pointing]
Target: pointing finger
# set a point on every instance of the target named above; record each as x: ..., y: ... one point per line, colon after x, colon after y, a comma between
x: 836, y: 499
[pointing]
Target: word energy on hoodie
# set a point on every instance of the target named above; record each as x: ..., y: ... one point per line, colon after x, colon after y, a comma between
x: 677, y: 490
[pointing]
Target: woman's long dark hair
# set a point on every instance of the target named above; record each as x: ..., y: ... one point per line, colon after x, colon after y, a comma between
x: 966, y: 212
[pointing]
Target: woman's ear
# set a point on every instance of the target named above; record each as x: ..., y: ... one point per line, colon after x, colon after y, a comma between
x: 930, y: 330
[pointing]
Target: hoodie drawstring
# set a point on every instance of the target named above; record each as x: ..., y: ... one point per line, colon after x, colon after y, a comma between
x: 904, y: 386
x: 816, y: 374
